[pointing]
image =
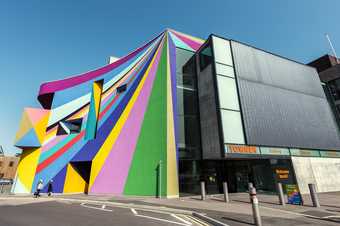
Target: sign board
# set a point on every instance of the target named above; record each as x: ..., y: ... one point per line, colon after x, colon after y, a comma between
x: 294, y: 196
x: 331, y: 154
x: 304, y: 152
x: 274, y: 151
x: 242, y: 149
x: 282, y: 173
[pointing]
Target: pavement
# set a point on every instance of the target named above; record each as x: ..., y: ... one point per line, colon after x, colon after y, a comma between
x: 235, y: 213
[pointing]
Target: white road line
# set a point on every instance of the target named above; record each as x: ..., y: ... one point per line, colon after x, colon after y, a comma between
x: 181, y: 219
x: 97, y: 208
x: 134, y: 211
x: 159, y: 219
x: 197, y: 221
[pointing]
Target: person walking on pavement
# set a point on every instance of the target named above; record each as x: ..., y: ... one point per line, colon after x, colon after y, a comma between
x: 39, y: 187
x: 50, y: 187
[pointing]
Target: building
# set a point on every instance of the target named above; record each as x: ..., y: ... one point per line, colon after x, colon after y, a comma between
x: 328, y: 68
x: 8, y: 167
x: 176, y: 111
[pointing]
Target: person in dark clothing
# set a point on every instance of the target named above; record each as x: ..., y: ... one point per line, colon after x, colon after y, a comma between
x: 50, y: 187
x: 40, y: 186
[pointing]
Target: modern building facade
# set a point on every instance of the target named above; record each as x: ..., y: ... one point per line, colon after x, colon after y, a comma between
x: 176, y: 111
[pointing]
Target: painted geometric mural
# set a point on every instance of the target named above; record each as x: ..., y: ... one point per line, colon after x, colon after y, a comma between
x: 111, y: 130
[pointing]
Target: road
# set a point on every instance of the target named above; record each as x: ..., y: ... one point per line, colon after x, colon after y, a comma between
x: 61, y: 213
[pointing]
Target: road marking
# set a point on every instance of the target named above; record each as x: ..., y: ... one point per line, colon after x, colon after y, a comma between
x: 197, y: 221
x: 160, y: 219
x: 134, y: 211
x: 181, y: 219
x: 93, y: 207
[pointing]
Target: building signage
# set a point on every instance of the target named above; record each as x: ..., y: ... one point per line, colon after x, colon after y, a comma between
x: 242, y: 149
x: 274, y: 151
x: 304, y: 152
x: 294, y: 196
x: 332, y: 154
x: 282, y: 173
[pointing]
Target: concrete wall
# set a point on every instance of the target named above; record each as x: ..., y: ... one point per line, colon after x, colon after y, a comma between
x: 324, y: 172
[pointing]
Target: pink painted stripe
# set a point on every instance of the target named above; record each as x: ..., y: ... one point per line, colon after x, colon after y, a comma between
x: 111, y: 179
x: 51, y: 87
x: 52, y: 142
x: 190, y: 42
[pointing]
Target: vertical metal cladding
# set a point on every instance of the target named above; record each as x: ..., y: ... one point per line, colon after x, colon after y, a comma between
x: 282, y: 101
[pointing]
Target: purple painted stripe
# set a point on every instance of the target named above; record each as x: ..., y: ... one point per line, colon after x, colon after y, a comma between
x: 51, y: 87
x: 190, y: 42
x: 111, y: 179
x: 172, y: 56
x: 52, y: 142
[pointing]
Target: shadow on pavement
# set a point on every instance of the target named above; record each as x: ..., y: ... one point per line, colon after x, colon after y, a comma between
x: 236, y: 220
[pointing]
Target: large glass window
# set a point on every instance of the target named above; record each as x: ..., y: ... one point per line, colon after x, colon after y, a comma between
x: 187, y: 106
x: 334, y: 87
x: 205, y: 57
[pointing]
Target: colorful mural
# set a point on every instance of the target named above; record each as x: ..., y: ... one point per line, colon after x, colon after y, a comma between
x: 111, y: 130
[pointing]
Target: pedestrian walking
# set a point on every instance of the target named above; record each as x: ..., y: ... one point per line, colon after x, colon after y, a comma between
x: 39, y: 187
x: 50, y: 188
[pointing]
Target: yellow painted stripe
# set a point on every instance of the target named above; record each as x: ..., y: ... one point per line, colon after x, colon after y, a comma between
x: 172, y: 179
x: 27, y: 166
x: 104, y: 151
x: 73, y: 181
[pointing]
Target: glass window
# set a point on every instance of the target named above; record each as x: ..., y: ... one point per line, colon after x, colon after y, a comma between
x: 189, y: 137
x: 69, y: 126
x: 227, y: 93
x: 11, y: 163
x: 334, y: 88
x: 225, y: 70
x: 222, y: 51
x: 205, y: 57
x: 232, y: 127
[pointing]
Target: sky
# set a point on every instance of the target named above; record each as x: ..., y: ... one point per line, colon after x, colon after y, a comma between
x: 48, y: 40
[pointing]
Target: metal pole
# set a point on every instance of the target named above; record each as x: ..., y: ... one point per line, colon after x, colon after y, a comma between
x: 255, y: 207
x: 280, y: 194
x: 313, y: 195
x: 160, y: 178
x: 250, y: 186
x: 202, y: 190
x: 225, y: 192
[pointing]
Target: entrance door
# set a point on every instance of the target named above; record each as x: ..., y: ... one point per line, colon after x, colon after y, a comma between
x: 242, y: 177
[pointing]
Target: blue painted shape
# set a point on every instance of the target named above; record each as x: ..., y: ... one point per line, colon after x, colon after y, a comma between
x: 29, y: 140
x: 58, y: 182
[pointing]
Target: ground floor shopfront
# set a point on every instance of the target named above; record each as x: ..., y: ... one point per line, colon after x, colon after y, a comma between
x: 264, y: 173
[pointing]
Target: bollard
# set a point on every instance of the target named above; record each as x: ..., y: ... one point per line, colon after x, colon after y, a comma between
x: 313, y: 195
x: 250, y: 185
x: 202, y: 190
x: 225, y: 192
x: 280, y: 194
x: 255, y: 207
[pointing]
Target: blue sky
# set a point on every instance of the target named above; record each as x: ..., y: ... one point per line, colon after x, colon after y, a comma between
x: 48, y: 40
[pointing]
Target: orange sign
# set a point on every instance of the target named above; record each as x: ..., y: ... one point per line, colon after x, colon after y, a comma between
x: 242, y: 149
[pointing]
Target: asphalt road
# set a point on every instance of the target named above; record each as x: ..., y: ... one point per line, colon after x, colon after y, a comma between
x: 55, y: 213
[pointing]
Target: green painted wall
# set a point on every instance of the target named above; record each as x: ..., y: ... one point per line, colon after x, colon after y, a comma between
x: 151, y: 145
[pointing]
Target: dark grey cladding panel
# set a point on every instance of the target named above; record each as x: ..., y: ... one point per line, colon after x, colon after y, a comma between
x: 279, y: 109
x: 262, y: 67
x: 210, y: 139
